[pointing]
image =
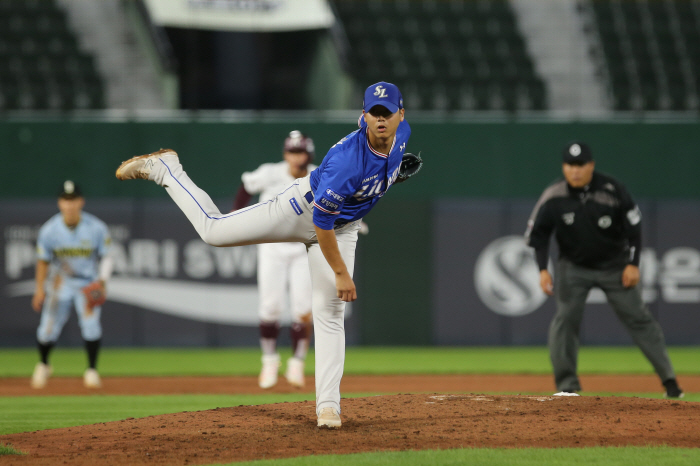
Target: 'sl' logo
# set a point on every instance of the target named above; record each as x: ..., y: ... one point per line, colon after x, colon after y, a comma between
x: 380, y: 91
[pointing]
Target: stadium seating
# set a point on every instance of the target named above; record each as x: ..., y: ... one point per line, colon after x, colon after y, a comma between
x: 41, y: 65
x: 650, y: 52
x: 446, y: 55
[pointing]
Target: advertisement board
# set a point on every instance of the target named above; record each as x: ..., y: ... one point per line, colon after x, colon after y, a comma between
x: 486, y: 281
x: 168, y: 286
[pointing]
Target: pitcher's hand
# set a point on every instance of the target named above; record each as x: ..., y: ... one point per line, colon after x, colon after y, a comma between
x: 345, y: 287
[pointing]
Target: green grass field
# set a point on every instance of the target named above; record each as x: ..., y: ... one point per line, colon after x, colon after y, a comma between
x: 359, y: 360
x: 20, y: 414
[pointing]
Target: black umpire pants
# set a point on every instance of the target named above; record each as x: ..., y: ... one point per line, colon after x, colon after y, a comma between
x: 571, y: 286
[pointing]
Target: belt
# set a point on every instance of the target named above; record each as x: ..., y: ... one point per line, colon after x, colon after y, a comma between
x: 309, y: 196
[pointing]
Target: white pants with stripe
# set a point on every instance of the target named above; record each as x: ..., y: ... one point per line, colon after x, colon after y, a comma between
x: 286, y: 218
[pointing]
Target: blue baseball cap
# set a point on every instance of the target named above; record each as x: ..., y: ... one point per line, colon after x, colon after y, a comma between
x: 385, y: 94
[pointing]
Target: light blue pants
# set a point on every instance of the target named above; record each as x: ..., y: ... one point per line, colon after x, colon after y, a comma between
x: 56, y: 311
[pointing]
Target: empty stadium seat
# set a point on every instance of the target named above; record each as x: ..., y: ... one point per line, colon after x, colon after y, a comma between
x: 41, y: 65
x: 444, y: 54
x: 651, y: 51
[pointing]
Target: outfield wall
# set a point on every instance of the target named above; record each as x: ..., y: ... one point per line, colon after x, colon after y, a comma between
x: 415, y: 270
x: 466, y: 158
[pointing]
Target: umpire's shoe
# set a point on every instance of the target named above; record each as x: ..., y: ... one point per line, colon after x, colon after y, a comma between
x: 141, y: 166
x: 329, y: 417
x: 672, y: 389
x: 41, y: 375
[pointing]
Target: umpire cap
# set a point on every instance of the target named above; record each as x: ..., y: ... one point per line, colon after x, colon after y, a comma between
x: 577, y: 153
x: 70, y: 190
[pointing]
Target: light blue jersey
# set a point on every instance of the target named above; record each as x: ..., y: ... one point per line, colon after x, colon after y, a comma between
x: 353, y: 177
x: 73, y: 253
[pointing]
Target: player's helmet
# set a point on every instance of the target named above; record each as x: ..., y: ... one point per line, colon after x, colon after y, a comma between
x: 70, y: 190
x: 297, y: 142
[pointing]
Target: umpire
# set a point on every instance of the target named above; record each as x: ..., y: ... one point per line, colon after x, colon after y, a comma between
x: 597, y: 226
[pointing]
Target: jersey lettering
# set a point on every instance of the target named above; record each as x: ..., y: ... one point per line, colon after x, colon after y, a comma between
x: 73, y: 252
x: 335, y: 195
x: 358, y: 195
x: 394, y: 176
x: 374, y: 191
x: 329, y: 204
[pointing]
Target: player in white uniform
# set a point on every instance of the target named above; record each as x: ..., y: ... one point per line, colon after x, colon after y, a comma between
x: 283, y: 268
x: 322, y: 210
x: 72, y: 252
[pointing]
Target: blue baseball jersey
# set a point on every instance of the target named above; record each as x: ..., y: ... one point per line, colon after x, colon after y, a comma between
x: 353, y: 177
x: 75, y: 252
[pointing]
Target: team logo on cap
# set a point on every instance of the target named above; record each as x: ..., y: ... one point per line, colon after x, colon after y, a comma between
x: 380, y: 91
x: 69, y: 187
x: 575, y: 150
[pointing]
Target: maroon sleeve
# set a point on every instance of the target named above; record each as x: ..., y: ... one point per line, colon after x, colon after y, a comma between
x: 242, y: 198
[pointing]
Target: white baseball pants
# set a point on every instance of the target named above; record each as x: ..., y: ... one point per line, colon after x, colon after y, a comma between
x: 283, y: 270
x: 286, y: 218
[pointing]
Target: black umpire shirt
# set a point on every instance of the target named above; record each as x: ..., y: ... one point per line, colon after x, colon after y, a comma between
x: 598, y: 226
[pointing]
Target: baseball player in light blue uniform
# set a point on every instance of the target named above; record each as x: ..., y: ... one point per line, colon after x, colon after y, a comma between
x: 72, y: 252
x: 322, y: 210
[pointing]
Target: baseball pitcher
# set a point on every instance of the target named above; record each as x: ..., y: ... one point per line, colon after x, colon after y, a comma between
x: 323, y: 210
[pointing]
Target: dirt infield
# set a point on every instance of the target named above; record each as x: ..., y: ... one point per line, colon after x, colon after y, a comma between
x: 455, y: 417
x: 17, y: 386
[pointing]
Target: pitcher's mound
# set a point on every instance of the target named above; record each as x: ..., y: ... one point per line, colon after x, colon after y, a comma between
x: 394, y: 422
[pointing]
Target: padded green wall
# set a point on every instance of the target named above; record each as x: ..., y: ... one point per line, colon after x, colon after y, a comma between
x: 476, y: 159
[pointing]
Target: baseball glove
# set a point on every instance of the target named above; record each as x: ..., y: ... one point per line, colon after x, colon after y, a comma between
x: 94, y: 296
x: 410, y: 165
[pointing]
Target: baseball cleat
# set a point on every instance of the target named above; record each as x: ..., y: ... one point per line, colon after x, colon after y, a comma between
x: 91, y: 379
x: 140, y: 167
x: 41, y: 375
x: 270, y: 369
x: 672, y: 389
x: 295, y: 372
x: 329, y: 417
